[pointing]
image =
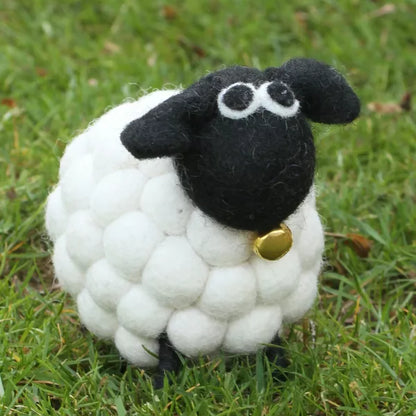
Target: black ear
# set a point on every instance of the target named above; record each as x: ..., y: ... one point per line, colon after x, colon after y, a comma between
x: 165, y: 130
x: 162, y: 131
x: 324, y: 94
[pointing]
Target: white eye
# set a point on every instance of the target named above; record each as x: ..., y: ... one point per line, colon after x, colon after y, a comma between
x: 238, y: 100
x: 277, y: 98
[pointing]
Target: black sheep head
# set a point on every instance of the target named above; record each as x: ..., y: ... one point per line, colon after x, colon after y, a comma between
x: 242, y: 147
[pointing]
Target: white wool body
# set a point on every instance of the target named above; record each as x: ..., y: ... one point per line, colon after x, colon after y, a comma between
x: 141, y: 259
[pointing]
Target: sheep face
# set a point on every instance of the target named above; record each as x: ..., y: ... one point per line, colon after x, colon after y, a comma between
x: 242, y: 147
x: 251, y: 163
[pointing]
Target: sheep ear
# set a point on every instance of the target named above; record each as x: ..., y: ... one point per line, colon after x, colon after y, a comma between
x: 160, y: 132
x: 324, y: 94
x: 166, y: 129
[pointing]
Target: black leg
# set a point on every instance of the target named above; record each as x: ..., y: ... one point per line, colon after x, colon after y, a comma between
x: 168, y: 361
x: 123, y: 365
x: 276, y: 354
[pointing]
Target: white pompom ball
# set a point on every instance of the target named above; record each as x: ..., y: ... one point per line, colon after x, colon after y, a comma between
x: 96, y: 319
x: 156, y: 167
x: 311, y: 241
x: 78, y: 184
x: 69, y: 275
x: 229, y: 292
x: 175, y: 275
x: 301, y: 299
x: 84, y: 239
x: 192, y: 332
x: 217, y: 244
x: 105, y: 285
x: 110, y: 157
x: 139, y: 351
x: 74, y: 151
x: 116, y: 194
x: 277, y: 279
x: 129, y: 241
x: 253, y: 330
x: 141, y: 314
x: 108, y: 127
x: 165, y: 202
x: 56, y: 217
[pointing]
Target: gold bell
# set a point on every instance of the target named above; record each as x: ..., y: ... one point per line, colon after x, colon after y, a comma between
x: 275, y: 244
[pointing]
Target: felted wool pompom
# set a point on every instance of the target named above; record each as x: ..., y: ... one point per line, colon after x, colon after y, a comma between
x: 75, y: 150
x: 147, y: 320
x: 230, y: 292
x: 216, y: 244
x: 127, y: 184
x: 129, y: 242
x: 105, y: 285
x: 165, y: 202
x: 277, y: 280
x: 84, y: 240
x: 301, y: 299
x: 139, y: 351
x: 56, y: 217
x: 193, y: 332
x: 77, y: 184
x: 99, y: 321
x: 174, y: 274
x: 253, y: 330
x: 70, y: 276
x: 156, y: 167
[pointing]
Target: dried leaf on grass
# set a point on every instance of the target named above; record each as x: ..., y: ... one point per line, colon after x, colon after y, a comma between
x: 199, y: 51
x: 169, y: 12
x: 388, y: 8
x: 384, y: 108
x: 9, y: 102
x: 11, y: 194
x: 360, y: 244
x: 301, y: 19
x: 406, y: 102
x: 111, y: 47
x: 391, y: 108
x: 192, y: 47
x: 42, y: 72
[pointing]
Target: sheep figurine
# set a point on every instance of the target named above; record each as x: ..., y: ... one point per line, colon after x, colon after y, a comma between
x: 185, y: 221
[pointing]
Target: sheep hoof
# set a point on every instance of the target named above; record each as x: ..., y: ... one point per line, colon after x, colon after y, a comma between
x: 169, y: 363
x: 276, y: 355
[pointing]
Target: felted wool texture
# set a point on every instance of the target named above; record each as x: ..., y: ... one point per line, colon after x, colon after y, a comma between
x: 148, y: 320
x: 135, y: 349
x: 324, y: 94
x: 245, y: 334
x: 129, y: 242
x: 230, y: 292
x: 166, y: 204
x: 241, y: 143
x: 106, y: 286
x: 136, y: 273
x: 70, y: 276
x: 193, y: 332
x: 175, y: 274
x: 127, y: 184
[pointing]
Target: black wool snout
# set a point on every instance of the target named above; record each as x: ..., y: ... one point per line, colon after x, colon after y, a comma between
x: 262, y: 171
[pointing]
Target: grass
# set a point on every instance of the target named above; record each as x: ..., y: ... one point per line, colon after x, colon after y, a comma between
x: 63, y: 63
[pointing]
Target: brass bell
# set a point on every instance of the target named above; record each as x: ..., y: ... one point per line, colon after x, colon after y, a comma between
x: 275, y: 244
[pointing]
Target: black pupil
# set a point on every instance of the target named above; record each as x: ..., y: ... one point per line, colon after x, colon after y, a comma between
x: 238, y: 97
x: 280, y: 93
